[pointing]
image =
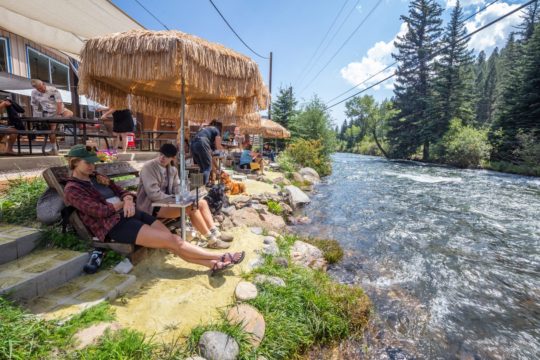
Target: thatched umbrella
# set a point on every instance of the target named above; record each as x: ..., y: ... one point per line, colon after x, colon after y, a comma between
x: 170, y: 73
x: 268, y: 129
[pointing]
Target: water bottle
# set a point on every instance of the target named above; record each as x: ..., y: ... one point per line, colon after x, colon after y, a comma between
x: 178, y: 192
x: 94, y: 262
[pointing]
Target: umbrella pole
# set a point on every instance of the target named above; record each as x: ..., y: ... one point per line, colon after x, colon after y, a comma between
x: 182, y: 164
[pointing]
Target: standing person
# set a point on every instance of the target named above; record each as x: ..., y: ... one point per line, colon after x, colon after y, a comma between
x: 14, y: 122
x: 203, y: 144
x: 122, y: 125
x: 158, y: 179
x: 108, y: 211
x: 50, y: 100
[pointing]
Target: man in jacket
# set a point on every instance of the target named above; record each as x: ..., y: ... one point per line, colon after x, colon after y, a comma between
x: 158, y: 179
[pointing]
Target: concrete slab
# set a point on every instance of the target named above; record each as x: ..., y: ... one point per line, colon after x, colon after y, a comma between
x: 39, y: 272
x: 17, y: 241
x: 79, y: 294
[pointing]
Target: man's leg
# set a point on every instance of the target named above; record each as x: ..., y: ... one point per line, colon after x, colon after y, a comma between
x: 10, y: 141
x: 52, y: 138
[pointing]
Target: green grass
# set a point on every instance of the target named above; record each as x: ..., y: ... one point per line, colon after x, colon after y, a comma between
x: 508, y: 167
x: 25, y: 337
x: 331, y: 249
x: 18, y: 203
x: 120, y: 345
x: 274, y: 207
x: 53, y: 236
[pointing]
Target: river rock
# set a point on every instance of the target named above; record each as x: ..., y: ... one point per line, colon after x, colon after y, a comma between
x: 92, y: 334
x: 273, y: 234
x: 219, y: 218
x: 49, y: 207
x: 251, y: 320
x: 278, y: 180
x: 281, y: 262
x: 195, y: 358
x: 297, y: 197
x: 251, y: 218
x: 233, y: 200
x: 307, y: 255
x: 245, y: 291
x: 255, y: 263
x: 228, y: 211
x: 274, y: 280
x: 310, y: 175
x: 257, y: 230
x: 227, y: 224
x: 269, y: 240
x: 297, y: 177
x: 304, y: 220
x: 270, y: 249
x: 215, y: 345
x: 287, y: 209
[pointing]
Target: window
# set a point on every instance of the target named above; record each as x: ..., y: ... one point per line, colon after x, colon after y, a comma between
x: 47, y: 69
x: 4, y: 58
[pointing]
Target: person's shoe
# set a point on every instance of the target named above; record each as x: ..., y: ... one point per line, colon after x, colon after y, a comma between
x: 217, y: 244
x: 226, y: 237
x: 54, y: 151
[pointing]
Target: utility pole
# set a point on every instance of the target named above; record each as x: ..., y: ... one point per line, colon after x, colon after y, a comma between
x: 270, y: 88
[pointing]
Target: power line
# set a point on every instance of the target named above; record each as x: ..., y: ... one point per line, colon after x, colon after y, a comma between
x: 436, y: 53
x: 395, y: 62
x: 343, y: 45
x: 152, y: 15
x: 321, y: 42
x: 235, y: 33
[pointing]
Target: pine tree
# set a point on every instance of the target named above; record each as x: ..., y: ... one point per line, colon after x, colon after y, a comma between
x: 413, y: 85
x: 284, y: 108
x: 530, y: 17
x: 479, y: 87
x: 490, y: 87
x: 453, y: 87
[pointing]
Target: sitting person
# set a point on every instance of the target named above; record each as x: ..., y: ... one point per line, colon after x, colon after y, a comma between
x: 251, y: 160
x: 108, y: 211
x: 269, y: 152
x: 14, y: 123
x: 158, y: 179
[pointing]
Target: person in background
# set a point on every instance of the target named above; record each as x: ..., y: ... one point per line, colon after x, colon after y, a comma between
x: 122, y: 125
x: 109, y: 212
x: 205, y: 142
x: 251, y: 160
x: 14, y: 122
x: 269, y: 152
x: 158, y: 181
x: 49, y: 99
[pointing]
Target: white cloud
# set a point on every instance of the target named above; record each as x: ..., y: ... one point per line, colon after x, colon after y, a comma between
x: 497, y: 34
x: 464, y: 3
x: 377, y: 58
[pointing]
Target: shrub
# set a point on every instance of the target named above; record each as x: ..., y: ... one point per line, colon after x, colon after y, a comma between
x: 18, y: 204
x: 286, y: 163
x: 274, y: 207
x: 529, y: 149
x: 464, y: 146
x: 310, y: 153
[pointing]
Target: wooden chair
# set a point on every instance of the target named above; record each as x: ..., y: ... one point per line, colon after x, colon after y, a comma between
x: 55, y: 178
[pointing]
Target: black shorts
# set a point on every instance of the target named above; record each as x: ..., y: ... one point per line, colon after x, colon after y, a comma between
x: 127, y: 229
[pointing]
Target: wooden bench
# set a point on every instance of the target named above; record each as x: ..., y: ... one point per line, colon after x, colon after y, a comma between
x: 55, y: 178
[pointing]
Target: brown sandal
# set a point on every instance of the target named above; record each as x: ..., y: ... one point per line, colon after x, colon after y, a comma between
x: 231, y: 259
x: 216, y: 269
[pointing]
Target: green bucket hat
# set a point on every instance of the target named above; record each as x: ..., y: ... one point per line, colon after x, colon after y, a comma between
x: 83, y: 152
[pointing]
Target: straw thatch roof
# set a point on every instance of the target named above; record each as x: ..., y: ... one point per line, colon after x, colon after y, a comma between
x: 268, y: 129
x: 144, y: 69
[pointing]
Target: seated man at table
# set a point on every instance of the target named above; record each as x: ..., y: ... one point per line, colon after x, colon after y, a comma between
x: 269, y: 152
x: 50, y: 100
x: 251, y: 160
x: 158, y: 180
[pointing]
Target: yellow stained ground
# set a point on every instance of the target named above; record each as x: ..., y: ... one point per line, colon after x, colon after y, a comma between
x: 254, y: 187
x: 172, y: 296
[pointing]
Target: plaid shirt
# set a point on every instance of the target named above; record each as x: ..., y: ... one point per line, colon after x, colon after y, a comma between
x: 96, y: 213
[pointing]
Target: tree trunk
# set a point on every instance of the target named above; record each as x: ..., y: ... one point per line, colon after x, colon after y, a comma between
x: 379, y: 145
x: 425, y: 156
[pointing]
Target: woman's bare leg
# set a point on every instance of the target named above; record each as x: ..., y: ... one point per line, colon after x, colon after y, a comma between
x: 116, y: 141
x: 124, y: 142
x: 206, y: 214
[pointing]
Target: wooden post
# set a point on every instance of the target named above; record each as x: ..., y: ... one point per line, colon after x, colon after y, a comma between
x: 73, y: 87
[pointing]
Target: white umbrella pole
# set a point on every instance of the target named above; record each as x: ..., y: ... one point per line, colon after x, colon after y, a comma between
x: 182, y: 165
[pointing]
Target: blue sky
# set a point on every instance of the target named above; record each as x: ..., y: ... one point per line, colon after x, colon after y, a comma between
x: 292, y: 30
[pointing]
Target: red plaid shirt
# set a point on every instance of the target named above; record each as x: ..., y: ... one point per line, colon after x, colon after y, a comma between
x: 95, y: 212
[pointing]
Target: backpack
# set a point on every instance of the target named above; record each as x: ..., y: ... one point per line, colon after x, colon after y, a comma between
x: 216, y: 198
x: 51, y: 209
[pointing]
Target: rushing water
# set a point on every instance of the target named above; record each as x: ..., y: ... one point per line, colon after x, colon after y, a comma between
x: 450, y: 258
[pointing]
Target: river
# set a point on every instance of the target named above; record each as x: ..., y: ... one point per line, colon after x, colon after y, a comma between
x: 449, y: 257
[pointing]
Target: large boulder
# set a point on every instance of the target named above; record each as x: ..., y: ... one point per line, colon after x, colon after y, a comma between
x: 297, y: 197
x: 307, y: 255
x: 251, y: 320
x: 297, y: 177
x: 310, y: 175
x: 251, y: 218
x: 215, y: 345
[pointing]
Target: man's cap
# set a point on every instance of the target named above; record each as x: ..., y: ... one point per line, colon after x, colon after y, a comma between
x: 83, y: 152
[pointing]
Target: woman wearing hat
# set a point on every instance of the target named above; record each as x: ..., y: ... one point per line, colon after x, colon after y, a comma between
x: 109, y: 212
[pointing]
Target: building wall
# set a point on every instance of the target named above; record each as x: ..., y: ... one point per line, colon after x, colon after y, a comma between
x: 17, y: 50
